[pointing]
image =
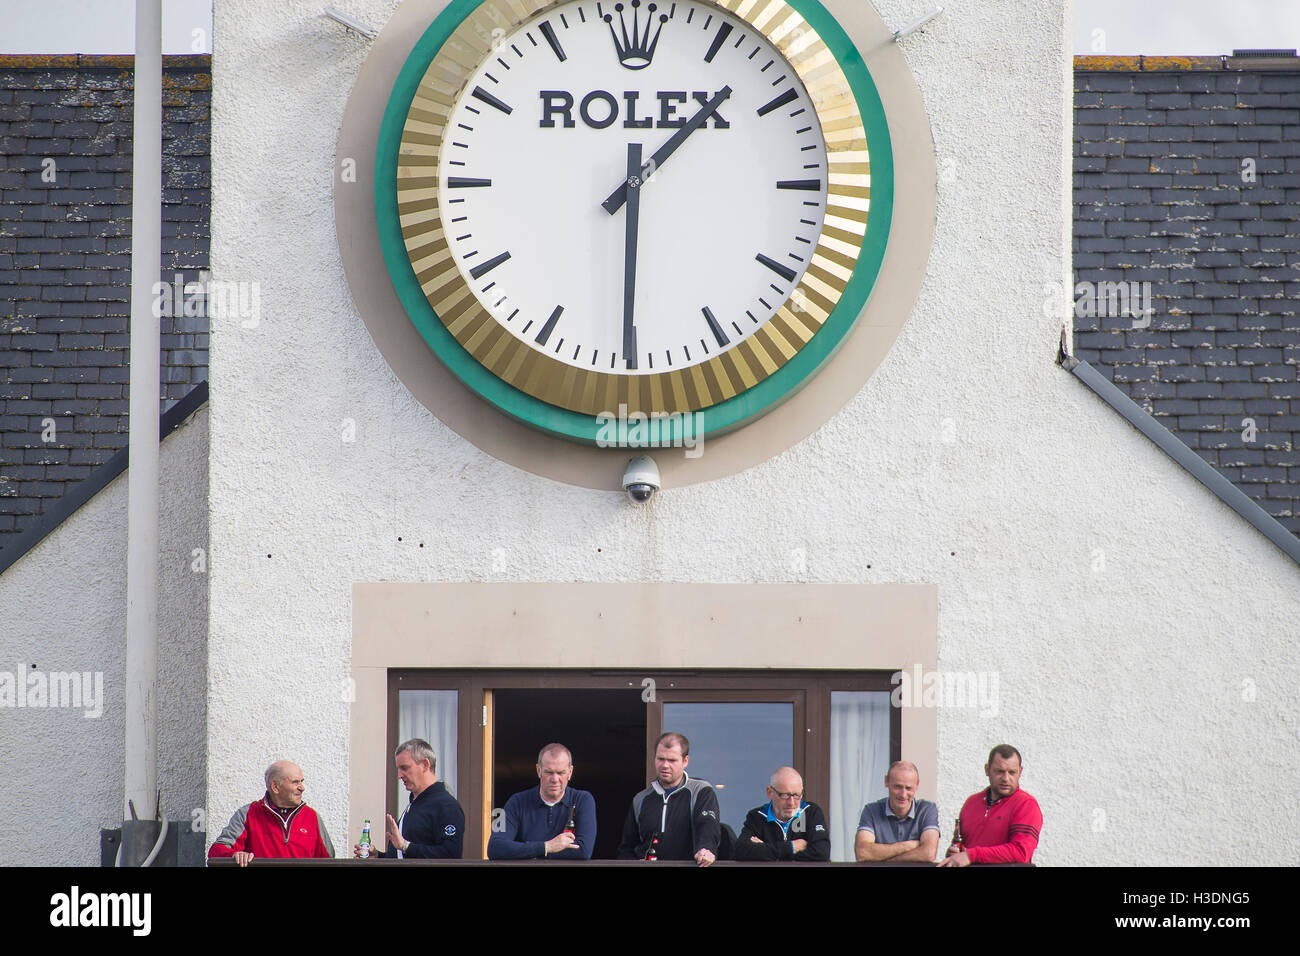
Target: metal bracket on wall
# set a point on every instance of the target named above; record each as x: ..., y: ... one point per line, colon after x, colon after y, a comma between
x: 352, y: 23
x: 912, y: 28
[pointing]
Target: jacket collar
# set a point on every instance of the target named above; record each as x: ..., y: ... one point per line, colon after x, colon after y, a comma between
x: 655, y: 785
x: 771, y: 814
x: 436, y: 787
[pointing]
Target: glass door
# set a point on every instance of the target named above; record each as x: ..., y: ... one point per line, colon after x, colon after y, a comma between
x: 738, y: 738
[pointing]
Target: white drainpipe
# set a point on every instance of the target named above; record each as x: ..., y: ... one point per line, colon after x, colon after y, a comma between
x: 142, y: 475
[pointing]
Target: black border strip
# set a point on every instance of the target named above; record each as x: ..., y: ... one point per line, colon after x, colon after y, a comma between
x: 14, y: 546
x: 1171, y: 445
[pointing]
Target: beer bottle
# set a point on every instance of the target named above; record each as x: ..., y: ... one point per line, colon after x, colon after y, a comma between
x: 653, y: 853
x: 572, y: 825
x: 956, y: 836
x: 365, y: 841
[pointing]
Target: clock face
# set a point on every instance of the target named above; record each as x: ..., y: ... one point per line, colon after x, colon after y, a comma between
x: 654, y: 205
x: 724, y: 226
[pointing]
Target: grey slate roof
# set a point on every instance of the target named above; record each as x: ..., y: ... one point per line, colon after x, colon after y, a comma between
x: 1190, y: 181
x: 65, y: 262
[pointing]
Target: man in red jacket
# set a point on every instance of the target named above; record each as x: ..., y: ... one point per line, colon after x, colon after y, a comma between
x: 1000, y: 824
x: 278, y: 825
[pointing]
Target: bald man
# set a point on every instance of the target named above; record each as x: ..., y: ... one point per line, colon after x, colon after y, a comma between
x: 899, y: 828
x: 278, y: 825
x: 788, y: 827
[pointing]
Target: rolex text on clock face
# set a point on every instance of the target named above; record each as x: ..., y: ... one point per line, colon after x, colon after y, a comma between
x: 632, y: 188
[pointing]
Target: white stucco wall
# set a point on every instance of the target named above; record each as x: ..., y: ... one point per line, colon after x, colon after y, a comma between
x: 1143, y: 636
x: 63, y: 608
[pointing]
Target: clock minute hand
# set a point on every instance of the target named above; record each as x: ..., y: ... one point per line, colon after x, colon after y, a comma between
x: 619, y: 196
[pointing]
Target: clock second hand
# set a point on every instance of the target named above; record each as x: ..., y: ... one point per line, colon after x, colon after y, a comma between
x: 620, y: 195
x: 633, y: 215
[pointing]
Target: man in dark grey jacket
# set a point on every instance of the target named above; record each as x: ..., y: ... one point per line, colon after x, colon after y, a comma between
x: 788, y: 828
x: 675, y: 816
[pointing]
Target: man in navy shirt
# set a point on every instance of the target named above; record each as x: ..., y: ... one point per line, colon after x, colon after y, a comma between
x: 433, y: 826
x: 534, y: 825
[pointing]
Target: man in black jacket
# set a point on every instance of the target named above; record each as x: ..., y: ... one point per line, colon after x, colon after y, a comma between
x: 433, y: 826
x: 788, y: 828
x: 676, y: 816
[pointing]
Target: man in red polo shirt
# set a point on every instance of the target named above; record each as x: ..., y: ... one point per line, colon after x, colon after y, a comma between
x: 1000, y: 824
x: 278, y: 825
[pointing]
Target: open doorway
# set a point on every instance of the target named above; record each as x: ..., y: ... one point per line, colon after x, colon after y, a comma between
x: 604, y: 729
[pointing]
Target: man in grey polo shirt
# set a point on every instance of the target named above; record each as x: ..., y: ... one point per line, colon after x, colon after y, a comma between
x: 898, y: 828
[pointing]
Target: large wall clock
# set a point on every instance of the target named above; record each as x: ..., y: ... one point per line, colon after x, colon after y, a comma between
x: 673, y: 207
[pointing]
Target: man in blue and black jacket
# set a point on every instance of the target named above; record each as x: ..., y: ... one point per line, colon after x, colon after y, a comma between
x: 676, y: 816
x: 536, y: 821
x: 788, y: 828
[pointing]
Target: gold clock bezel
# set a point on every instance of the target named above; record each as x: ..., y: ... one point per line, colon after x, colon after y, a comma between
x: 592, y: 392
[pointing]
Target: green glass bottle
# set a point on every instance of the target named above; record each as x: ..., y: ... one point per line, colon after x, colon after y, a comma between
x: 365, y: 841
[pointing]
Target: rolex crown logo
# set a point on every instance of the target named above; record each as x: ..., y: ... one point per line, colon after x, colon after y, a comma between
x: 637, y: 52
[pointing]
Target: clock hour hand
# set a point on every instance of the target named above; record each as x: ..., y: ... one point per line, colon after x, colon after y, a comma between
x: 632, y: 187
x: 620, y: 195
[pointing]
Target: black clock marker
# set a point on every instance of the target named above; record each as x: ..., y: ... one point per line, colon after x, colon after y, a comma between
x: 718, y: 39
x: 788, y: 96
x: 548, y: 31
x: 464, y: 182
x: 810, y: 184
x: 483, y: 268
x: 714, y: 327
x: 482, y: 94
x: 545, y: 333
x: 763, y: 303
x: 783, y: 271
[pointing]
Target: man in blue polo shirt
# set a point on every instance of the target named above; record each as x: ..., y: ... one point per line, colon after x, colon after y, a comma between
x: 535, y: 821
x: 899, y: 828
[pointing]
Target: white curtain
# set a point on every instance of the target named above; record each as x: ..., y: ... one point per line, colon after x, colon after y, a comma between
x: 859, y: 762
x: 430, y: 715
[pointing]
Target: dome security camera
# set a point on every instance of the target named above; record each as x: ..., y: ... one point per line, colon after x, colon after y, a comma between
x: 641, y: 478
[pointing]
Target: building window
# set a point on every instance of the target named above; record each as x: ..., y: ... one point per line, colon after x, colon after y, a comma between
x: 486, y: 727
